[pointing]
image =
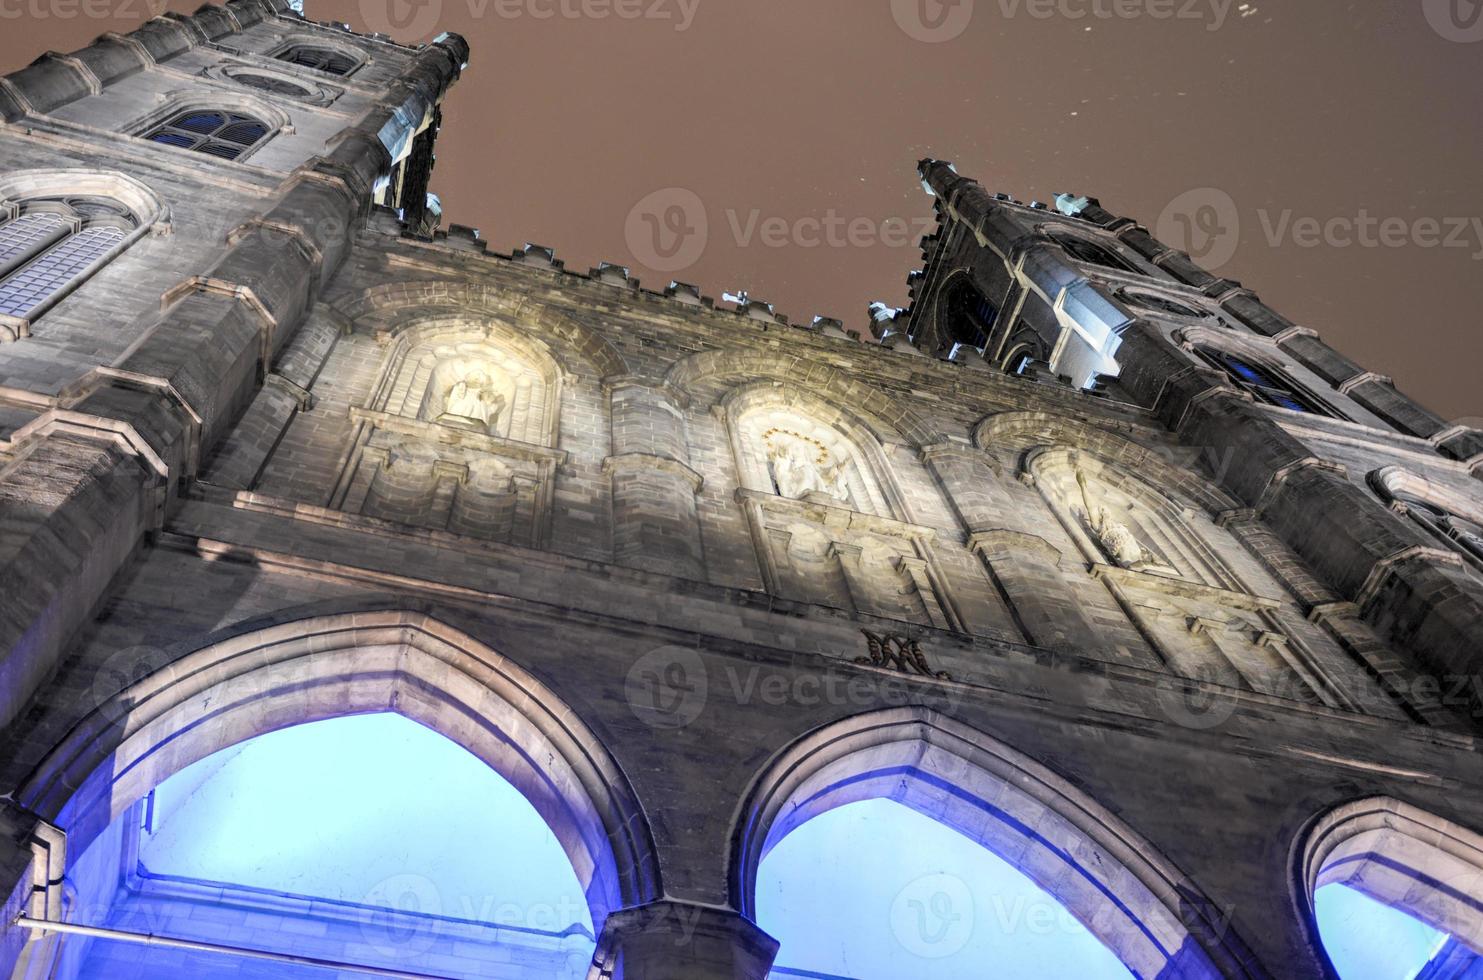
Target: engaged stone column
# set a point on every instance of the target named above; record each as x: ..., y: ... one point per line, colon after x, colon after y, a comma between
x: 679, y: 941
x: 656, y: 526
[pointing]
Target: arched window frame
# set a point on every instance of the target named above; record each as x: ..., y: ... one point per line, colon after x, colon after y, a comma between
x: 1147, y: 300
x: 1093, y: 252
x: 322, y: 58
x: 1399, y: 855
x: 50, y: 245
x: 967, y: 315
x: 1266, y: 383
x: 237, y: 100
x: 184, y: 129
x: 1435, y: 509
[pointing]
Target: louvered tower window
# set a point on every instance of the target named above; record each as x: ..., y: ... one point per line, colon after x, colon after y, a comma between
x: 49, y: 245
x: 214, y: 132
x: 327, y: 60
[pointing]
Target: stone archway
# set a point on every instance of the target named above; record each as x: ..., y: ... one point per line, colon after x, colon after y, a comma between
x: 357, y: 663
x: 1400, y: 856
x: 1143, y: 909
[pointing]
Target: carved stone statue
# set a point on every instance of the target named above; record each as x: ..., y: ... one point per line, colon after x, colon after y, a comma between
x: 798, y: 471
x: 1115, y: 537
x: 474, y: 399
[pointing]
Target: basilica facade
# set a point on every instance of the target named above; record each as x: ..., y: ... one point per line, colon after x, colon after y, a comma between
x: 1087, y: 553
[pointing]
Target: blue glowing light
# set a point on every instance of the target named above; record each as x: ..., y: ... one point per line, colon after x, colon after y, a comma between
x: 877, y: 891
x: 1366, y: 940
x: 367, y: 840
x: 332, y: 809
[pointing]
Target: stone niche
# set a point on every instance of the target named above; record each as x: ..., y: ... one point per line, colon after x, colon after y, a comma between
x: 457, y: 435
x: 825, y: 516
x: 1162, y: 562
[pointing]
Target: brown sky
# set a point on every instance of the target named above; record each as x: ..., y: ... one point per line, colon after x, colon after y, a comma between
x: 801, y: 109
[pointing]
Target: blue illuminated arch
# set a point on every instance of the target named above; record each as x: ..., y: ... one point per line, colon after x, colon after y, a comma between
x: 265, y: 680
x: 1403, y: 858
x: 1160, y: 924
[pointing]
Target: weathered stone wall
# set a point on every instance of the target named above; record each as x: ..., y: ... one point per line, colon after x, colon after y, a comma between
x: 1206, y: 618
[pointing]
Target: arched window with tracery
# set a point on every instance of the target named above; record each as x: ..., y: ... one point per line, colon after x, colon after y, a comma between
x: 331, y: 61
x: 216, y: 132
x: 48, y: 245
x: 1265, y: 384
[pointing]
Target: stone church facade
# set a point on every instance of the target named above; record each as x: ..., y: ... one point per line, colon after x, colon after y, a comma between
x: 1087, y: 553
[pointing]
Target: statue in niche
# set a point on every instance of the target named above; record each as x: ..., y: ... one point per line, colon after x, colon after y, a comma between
x: 473, y: 400
x: 800, y: 467
x: 1115, y: 537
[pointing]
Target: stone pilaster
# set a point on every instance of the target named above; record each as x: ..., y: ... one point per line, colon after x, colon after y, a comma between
x: 656, y: 526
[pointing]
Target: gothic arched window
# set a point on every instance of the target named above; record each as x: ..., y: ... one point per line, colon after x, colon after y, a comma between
x: 1093, y: 253
x: 323, y: 59
x: 217, y: 132
x: 1263, y: 383
x: 968, y: 316
x: 48, y: 245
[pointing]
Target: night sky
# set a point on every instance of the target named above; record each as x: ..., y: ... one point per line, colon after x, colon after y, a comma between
x: 1334, y: 147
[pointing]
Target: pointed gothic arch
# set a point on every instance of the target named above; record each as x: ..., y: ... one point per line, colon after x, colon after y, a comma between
x: 1024, y: 431
x: 1398, y: 855
x: 577, y: 347
x: 262, y: 680
x: 727, y: 368
x: 1146, y: 911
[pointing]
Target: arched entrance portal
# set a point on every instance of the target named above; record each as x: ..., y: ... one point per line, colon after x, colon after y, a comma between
x: 365, y: 839
x: 1104, y: 877
x: 1387, y: 886
x: 355, y: 664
